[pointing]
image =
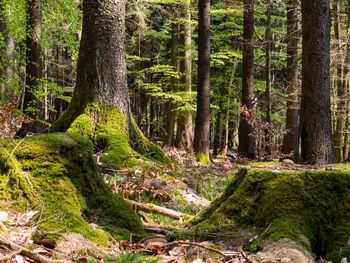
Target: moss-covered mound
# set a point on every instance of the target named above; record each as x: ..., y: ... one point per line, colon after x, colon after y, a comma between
x: 108, y: 129
x: 312, y: 208
x: 57, y: 175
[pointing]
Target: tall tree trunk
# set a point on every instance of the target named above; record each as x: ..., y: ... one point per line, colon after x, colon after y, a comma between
x: 202, y: 128
x: 101, y: 72
x: 247, y: 144
x: 291, y: 138
x: 32, y: 105
x: 170, y: 106
x: 316, y: 124
x: 338, y: 136
x: 6, y: 53
x: 184, y: 133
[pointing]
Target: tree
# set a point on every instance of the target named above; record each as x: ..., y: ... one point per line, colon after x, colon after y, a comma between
x: 31, y: 103
x: 100, y: 108
x: 171, y: 106
x: 315, y: 114
x: 246, y: 146
x: 202, y: 128
x: 184, y: 133
x: 291, y: 138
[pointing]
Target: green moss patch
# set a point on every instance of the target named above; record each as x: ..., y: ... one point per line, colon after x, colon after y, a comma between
x: 312, y: 208
x: 109, y: 130
x: 66, y: 186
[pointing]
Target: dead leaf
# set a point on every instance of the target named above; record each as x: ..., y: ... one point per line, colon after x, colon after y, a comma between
x: 178, y: 251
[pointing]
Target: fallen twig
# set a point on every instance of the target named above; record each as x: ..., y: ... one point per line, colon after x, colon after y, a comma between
x: 27, y: 253
x: 154, y: 209
x: 10, y: 256
x: 175, y: 243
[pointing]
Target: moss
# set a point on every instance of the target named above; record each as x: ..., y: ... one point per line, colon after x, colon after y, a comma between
x: 144, y: 146
x: 108, y: 129
x: 82, y: 125
x: 314, y: 205
x: 203, y: 158
x: 65, y: 178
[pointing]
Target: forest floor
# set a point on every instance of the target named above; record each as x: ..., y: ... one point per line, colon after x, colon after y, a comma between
x: 165, y: 197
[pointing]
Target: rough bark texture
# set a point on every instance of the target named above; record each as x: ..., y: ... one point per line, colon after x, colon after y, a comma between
x: 184, y: 133
x: 316, y: 130
x: 247, y: 145
x: 101, y: 68
x: 291, y: 139
x: 202, y: 129
x: 170, y: 107
x: 6, y: 52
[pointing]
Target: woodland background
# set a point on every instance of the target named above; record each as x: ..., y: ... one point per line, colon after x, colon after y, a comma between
x: 40, y: 47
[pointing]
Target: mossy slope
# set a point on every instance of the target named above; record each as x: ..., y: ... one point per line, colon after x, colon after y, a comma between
x: 109, y: 130
x: 315, y: 205
x: 67, y: 186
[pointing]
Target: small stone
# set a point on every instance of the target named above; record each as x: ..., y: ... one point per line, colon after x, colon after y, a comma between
x: 287, y: 161
x: 158, y: 184
x: 190, y: 183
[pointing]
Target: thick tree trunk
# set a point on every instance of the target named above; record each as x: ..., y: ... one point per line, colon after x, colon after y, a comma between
x: 202, y: 129
x: 247, y: 144
x: 6, y: 53
x: 291, y: 139
x: 99, y: 108
x: 99, y: 78
x: 171, y: 107
x: 316, y: 126
x: 184, y: 133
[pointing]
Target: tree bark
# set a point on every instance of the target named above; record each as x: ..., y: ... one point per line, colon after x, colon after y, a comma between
x: 202, y: 128
x: 184, y: 133
x: 101, y: 71
x: 247, y: 144
x: 291, y: 138
x: 316, y: 126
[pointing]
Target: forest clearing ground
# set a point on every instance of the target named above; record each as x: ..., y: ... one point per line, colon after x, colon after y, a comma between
x: 185, y: 187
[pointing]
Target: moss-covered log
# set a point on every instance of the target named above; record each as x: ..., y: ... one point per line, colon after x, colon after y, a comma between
x: 311, y: 208
x: 57, y: 174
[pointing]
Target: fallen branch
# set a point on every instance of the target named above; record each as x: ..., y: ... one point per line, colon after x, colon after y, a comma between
x: 154, y: 209
x: 10, y: 256
x: 159, y: 231
x: 27, y: 253
x: 175, y: 243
